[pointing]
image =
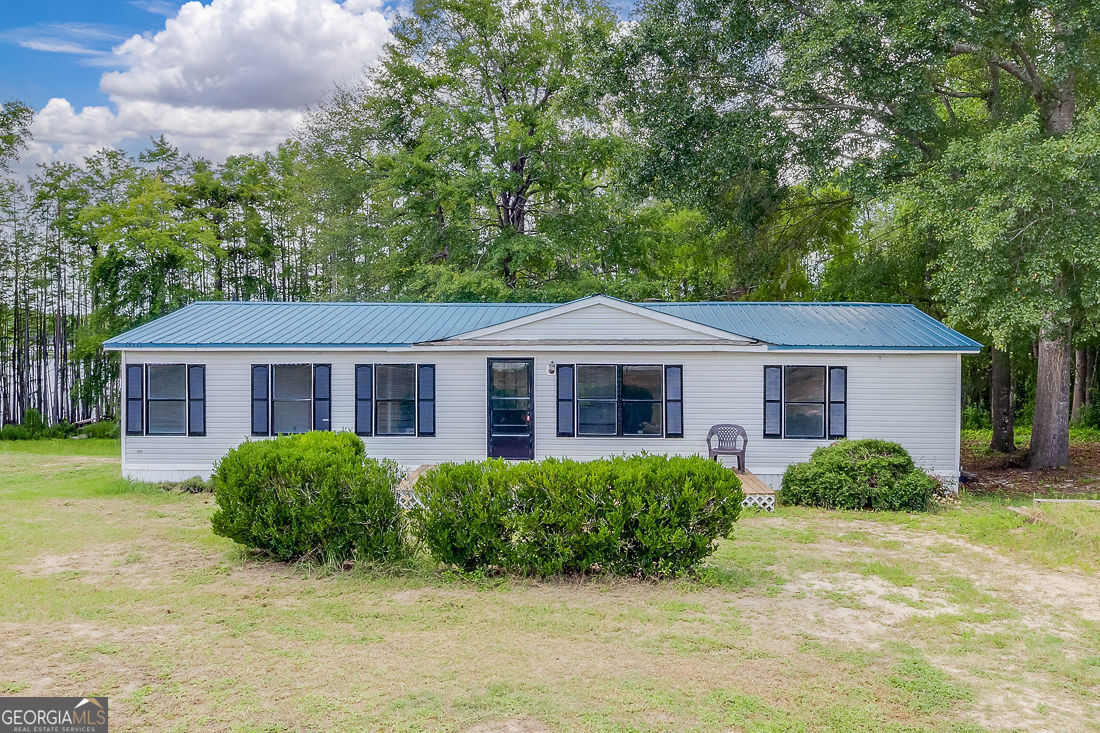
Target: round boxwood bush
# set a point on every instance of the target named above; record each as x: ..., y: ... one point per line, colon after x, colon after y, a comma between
x: 859, y: 474
x: 640, y: 515
x: 310, y: 496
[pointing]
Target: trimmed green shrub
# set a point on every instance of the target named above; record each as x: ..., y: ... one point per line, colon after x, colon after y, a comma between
x: 859, y: 474
x: 462, y: 520
x: 310, y: 496
x: 640, y: 515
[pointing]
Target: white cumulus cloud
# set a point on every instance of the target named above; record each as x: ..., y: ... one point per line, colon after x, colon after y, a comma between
x: 227, y: 77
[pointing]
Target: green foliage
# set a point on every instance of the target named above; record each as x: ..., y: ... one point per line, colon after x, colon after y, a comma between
x: 193, y: 485
x: 34, y: 427
x: 1090, y: 416
x: 310, y: 496
x: 477, y: 161
x: 15, y: 432
x: 976, y: 418
x: 642, y: 515
x: 1016, y: 205
x: 463, y: 520
x: 858, y: 474
x: 109, y: 429
x: 33, y: 422
x: 15, y: 130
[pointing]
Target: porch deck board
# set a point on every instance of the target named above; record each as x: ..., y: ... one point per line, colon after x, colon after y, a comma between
x: 751, y: 484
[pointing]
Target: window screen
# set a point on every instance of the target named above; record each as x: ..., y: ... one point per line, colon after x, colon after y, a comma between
x: 597, y: 399
x: 166, y: 399
x: 623, y: 399
x: 804, y: 401
x: 395, y: 399
x: 642, y: 397
x: 291, y: 398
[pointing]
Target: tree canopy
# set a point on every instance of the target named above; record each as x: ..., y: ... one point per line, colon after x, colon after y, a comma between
x: 936, y: 152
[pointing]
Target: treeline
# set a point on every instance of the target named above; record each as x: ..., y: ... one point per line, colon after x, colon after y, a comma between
x: 927, y: 151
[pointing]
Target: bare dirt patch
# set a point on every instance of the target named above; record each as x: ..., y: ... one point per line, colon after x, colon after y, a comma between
x: 868, y: 611
x: 996, y: 472
x: 1023, y: 584
x: 135, y: 565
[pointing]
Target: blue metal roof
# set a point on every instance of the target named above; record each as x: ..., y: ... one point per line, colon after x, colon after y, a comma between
x: 826, y: 325
x: 780, y: 325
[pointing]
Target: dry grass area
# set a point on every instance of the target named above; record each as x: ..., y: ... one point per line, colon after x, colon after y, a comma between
x: 805, y: 620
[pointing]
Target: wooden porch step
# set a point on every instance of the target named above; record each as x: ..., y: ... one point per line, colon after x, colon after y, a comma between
x: 757, y: 493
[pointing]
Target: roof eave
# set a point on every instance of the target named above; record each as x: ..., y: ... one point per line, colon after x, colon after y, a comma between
x: 954, y: 349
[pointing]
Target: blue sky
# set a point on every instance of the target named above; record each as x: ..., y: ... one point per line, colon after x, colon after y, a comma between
x: 29, y: 73
x: 218, y: 77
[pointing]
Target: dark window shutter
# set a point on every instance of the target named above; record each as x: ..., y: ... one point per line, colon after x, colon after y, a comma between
x: 566, y: 397
x: 425, y: 400
x: 674, y: 401
x: 364, y: 391
x: 773, y: 402
x: 260, y: 390
x: 838, y: 402
x: 196, y: 399
x: 135, y: 389
x: 322, y: 397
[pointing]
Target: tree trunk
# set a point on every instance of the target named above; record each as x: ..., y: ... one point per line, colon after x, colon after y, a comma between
x: 1079, y: 379
x: 1090, y: 375
x: 1000, y: 402
x: 1050, y: 428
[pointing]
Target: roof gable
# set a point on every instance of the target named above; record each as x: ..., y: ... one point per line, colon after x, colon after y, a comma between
x: 600, y: 318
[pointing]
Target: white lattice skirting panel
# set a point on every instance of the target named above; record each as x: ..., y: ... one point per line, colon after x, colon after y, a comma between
x: 407, y: 499
x: 760, y: 501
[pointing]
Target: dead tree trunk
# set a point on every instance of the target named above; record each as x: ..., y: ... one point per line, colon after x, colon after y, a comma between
x: 1000, y: 402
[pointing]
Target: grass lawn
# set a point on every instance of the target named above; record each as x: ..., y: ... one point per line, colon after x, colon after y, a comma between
x: 968, y: 618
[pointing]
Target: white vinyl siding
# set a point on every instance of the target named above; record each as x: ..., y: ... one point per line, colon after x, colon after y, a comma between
x: 910, y: 398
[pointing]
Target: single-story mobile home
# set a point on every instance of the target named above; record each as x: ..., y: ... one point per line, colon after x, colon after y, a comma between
x: 424, y: 383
